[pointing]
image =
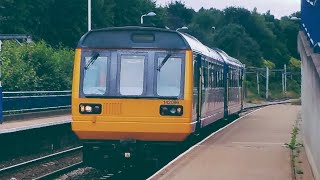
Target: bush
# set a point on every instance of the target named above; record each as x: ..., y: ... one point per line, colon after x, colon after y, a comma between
x: 36, y: 66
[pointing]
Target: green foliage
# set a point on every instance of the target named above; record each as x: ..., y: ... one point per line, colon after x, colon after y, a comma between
x: 256, y: 39
x: 58, y: 22
x: 36, y: 67
x: 237, y: 43
x: 269, y: 64
x: 294, y: 64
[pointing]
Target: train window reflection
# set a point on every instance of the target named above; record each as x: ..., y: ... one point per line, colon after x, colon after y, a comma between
x: 131, y: 75
x: 169, y: 78
x: 95, y: 77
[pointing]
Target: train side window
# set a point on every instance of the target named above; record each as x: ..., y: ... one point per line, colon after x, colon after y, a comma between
x: 214, y: 77
x: 221, y: 76
x: 230, y: 79
x: 210, y: 75
x: 233, y: 78
x: 217, y: 78
x: 237, y: 78
x: 195, y: 74
x: 205, y: 73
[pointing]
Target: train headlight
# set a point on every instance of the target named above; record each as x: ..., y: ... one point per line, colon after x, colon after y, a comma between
x: 171, y: 110
x: 90, y: 108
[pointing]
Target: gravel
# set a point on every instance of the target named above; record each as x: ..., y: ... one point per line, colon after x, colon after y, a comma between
x: 41, y: 168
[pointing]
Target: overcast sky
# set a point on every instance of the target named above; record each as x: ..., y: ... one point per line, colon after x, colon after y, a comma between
x: 278, y: 8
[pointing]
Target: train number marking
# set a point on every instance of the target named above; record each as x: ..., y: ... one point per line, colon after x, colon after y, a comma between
x: 171, y: 102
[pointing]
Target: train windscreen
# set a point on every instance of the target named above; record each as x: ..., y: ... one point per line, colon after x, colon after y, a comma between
x: 132, y: 73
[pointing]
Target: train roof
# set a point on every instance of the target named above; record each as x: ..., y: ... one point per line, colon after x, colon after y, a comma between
x: 198, y: 47
x: 228, y: 59
x: 147, y: 38
x: 133, y: 37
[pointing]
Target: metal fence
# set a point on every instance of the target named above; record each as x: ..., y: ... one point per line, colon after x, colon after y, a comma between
x: 310, y: 14
x: 33, y: 101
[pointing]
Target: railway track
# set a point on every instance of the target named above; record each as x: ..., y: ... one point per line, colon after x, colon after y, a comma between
x: 48, y: 165
x: 61, y: 171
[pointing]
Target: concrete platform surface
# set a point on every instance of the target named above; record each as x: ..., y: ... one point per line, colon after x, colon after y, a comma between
x: 252, y: 148
x: 14, y: 126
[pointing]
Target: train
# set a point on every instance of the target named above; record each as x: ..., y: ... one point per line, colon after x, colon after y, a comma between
x: 137, y: 89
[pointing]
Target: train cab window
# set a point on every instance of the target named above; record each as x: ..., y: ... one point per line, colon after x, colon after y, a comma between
x: 169, y: 77
x: 131, y: 75
x: 95, y: 76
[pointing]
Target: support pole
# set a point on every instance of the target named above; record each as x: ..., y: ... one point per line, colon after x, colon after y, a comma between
x: 285, y: 79
x: 267, y: 83
x: 244, y: 84
x: 258, y: 85
x: 282, y: 82
x: 1, y: 99
x: 89, y: 15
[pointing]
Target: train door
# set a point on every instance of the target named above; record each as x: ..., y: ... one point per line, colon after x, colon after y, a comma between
x: 198, y: 80
x: 226, y: 88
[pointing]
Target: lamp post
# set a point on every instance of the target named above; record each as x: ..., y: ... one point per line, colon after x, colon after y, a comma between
x: 149, y: 14
x: 182, y: 28
x: 295, y: 18
x: 89, y: 15
x: 8, y: 37
x: 213, y: 28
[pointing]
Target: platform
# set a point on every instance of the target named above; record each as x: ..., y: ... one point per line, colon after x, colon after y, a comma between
x: 34, y: 120
x: 40, y: 122
x: 249, y: 149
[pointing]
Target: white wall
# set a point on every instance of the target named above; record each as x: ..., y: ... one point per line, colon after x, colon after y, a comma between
x: 310, y: 103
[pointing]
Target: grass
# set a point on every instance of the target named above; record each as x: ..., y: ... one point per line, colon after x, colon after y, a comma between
x: 296, y: 102
x: 299, y: 171
x: 294, y: 146
x: 293, y: 142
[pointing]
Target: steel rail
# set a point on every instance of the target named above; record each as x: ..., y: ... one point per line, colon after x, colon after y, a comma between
x: 21, y: 165
x: 61, y: 171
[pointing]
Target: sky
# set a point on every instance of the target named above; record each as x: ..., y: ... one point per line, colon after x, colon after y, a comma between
x: 278, y: 8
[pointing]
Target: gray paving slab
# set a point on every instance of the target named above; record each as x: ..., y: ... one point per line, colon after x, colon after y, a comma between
x: 15, y: 126
x: 251, y: 149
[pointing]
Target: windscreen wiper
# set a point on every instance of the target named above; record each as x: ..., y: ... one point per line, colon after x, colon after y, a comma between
x: 92, y: 60
x: 164, y: 61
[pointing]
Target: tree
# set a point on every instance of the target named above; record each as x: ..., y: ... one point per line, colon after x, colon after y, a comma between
x: 237, y: 43
x: 179, y: 15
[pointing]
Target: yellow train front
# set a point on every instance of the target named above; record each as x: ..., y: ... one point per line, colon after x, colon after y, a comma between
x: 136, y: 87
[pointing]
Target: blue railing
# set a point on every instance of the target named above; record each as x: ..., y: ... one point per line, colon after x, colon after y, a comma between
x: 310, y: 16
x: 34, y: 101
